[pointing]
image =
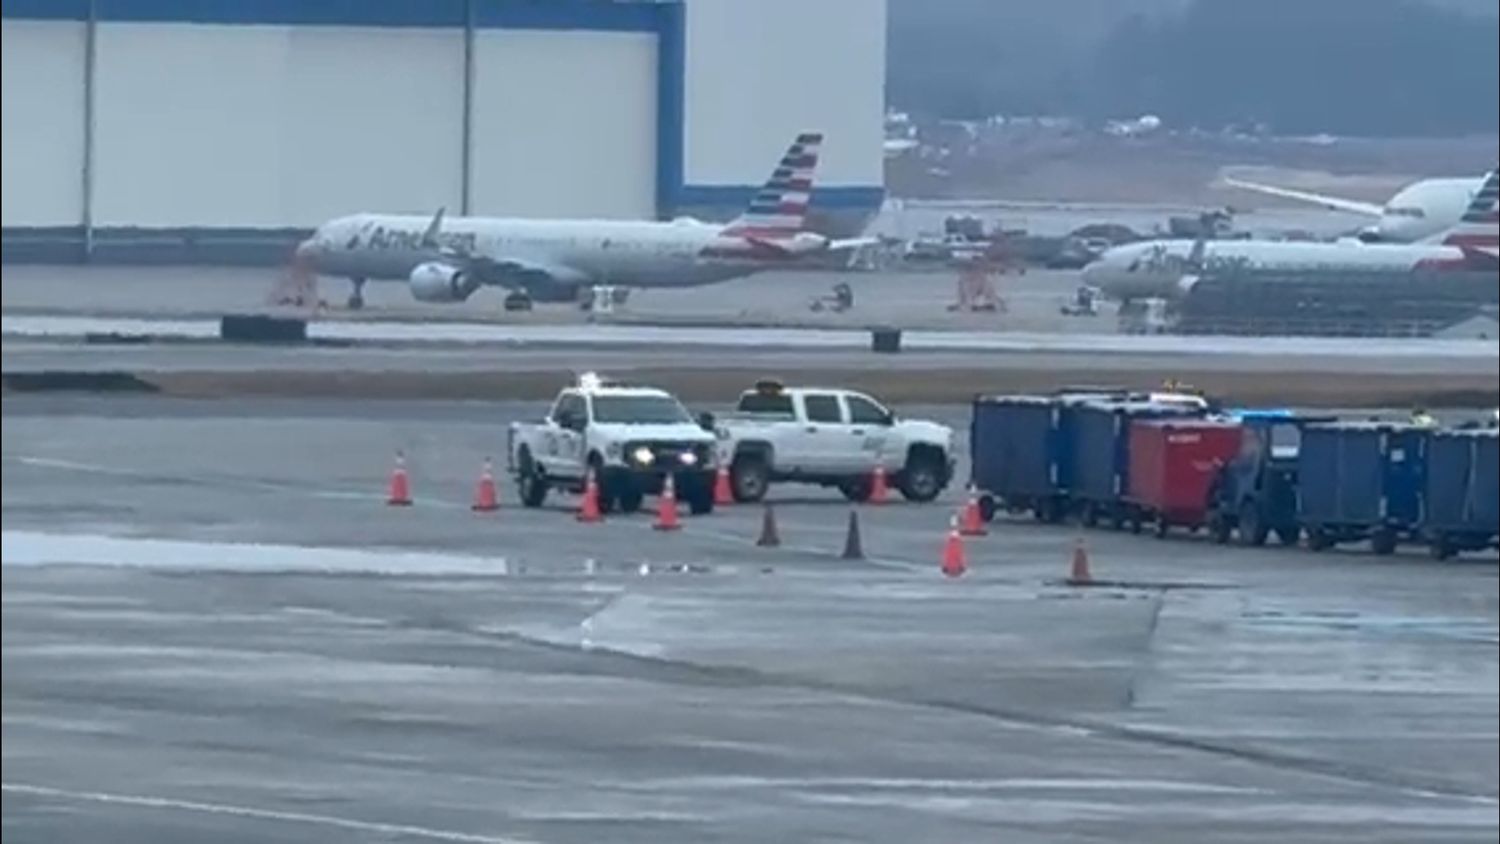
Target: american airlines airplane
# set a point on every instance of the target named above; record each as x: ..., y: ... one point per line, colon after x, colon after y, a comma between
x: 1418, y: 211
x: 1168, y: 269
x: 554, y: 260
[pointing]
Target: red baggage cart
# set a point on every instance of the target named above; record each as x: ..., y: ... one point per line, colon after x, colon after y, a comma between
x: 1173, y: 465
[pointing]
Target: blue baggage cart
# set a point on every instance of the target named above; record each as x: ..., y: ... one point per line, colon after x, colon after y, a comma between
x: 1461, y: 496
x: 1358, y: 481
x: 1017, y: 456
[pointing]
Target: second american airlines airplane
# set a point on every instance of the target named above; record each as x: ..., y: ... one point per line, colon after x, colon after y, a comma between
x: 553, y: 260
x: 1169, y: 269
x: 1417, y: 212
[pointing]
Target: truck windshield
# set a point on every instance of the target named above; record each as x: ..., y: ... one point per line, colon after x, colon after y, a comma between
x: 639, y: 410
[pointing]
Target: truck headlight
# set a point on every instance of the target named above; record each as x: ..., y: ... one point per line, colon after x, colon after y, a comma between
x: 643, y: 455
x: 688, y: 458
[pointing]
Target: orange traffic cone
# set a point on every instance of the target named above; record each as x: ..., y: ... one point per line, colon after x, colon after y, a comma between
x: 486, y: 497
x: 400, y: 490
x: 588, y: 509
x: 973, y: 521
x: 954, y: 564
x: 723, y: 495
x: 854, y: 549
x: 770, y: 537
x: 879, y: 487
x: 666, y: 507
x: 1080, y: 574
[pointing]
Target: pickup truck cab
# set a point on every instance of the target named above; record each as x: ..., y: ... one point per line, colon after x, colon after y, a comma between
x: 631, y: 437
x: 829, y: 437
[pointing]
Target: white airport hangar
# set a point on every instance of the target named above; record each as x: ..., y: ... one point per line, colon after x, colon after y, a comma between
x: 222, y: 130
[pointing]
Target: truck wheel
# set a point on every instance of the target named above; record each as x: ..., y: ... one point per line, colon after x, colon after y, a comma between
x: 1383, y: 542
x: 531, y: 487
x: 1253, y: 530
x: 1162, y: 527
x: 749, y: 479
x: 1289, y: 536
x: 922, y: 479
x: 609, y: 488
x: 1440, y: 548
x: 857, y: 490
x: 630, y: 500
x: 701, y: 502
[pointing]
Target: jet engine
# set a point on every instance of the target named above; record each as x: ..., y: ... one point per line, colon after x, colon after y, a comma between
x: 441, y: 283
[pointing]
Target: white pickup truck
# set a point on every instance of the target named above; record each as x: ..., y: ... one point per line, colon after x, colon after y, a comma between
x: 631, y: 437
x: 829, y: 437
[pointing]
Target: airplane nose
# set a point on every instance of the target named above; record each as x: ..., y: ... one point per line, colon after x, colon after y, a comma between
x: 321, y: 240
x: 1091, y: 273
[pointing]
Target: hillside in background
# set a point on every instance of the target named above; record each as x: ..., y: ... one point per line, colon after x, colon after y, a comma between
x: 1357, y: 67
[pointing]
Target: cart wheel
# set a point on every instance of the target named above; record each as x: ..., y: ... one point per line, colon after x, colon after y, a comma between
x: 1220, y: 529
x: 1383, y: 542
x: 1090, y: 514
x: 1317, y: 540
x: 987, y: 507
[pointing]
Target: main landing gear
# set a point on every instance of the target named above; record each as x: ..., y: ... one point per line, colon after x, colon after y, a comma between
x: 357, y: 294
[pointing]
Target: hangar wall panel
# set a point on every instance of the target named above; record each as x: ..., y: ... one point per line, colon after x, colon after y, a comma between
x: 565, y: 124
x: 760, y: 72
x: 273, y: 126
x: 41, y: 95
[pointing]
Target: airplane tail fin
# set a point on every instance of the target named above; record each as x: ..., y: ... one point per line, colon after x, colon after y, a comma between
x: 779, y: 208
x: 1479, y: 228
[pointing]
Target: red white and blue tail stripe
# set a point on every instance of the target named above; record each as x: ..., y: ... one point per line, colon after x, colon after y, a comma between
x: 779, y: 209
x: 1479, y: 228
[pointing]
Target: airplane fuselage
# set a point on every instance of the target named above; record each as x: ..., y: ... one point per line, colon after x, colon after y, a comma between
x: 628, y: 253
x: 1156, y: 269
x: 1425, y: 209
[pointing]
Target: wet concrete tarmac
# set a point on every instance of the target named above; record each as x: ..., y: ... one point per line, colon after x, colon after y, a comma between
x: 214, y: 629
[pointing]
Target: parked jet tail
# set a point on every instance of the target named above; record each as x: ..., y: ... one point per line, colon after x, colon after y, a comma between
x: 1479, y: 228
x: 779, y: 209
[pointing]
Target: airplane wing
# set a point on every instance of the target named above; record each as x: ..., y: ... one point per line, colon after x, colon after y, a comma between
x: 1332, y: 203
